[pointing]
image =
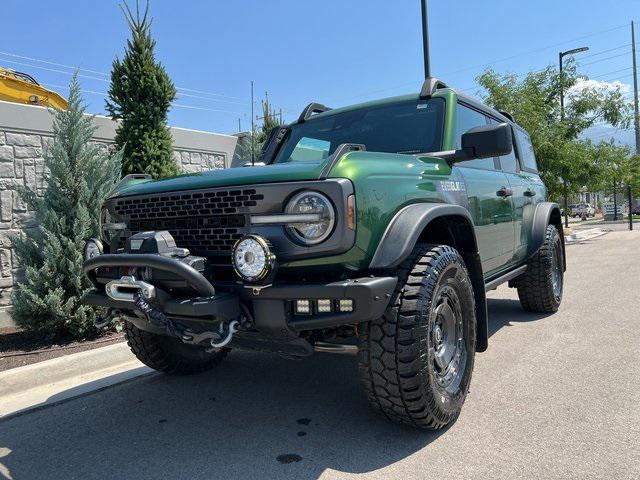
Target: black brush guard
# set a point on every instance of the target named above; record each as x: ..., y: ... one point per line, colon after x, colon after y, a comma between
x: 215, y: 307
x: 275, y: 327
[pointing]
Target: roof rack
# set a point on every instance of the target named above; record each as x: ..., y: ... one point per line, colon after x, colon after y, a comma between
x: 430, y: 85
x: 508, y: 115
x: 310, y: 109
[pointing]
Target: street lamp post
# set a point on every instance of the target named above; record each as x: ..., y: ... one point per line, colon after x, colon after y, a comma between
x: 561, y: 55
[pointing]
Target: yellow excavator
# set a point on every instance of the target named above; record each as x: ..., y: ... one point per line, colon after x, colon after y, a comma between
x: 21, y: 87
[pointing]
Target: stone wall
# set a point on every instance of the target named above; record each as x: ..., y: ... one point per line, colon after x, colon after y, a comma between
x: 25, y: 132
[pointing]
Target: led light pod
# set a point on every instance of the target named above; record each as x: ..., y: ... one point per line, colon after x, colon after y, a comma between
x: 253, y: 260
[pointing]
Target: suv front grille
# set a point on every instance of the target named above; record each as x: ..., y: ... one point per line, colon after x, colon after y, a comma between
x: 207, y: 222
x: 198, y: 234
x: 187, y: 204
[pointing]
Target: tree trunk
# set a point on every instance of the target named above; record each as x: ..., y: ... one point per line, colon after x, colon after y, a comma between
x: 615, y: 203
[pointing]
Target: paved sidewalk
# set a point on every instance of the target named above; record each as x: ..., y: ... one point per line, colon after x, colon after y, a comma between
x: 61, y: 378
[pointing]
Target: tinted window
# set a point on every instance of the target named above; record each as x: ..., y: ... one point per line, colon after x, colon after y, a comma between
x: 408, y: 127
x: 466, y: 119
x: 508, y: 163
x: 527, y: 157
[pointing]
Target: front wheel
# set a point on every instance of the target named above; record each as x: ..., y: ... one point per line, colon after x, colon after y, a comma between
x: 168, y: 354
x: 416, y: 360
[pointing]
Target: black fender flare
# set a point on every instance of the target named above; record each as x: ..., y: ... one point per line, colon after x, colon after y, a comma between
x: 405, y: 228
x: 402, y: 235
x: 546, y: 213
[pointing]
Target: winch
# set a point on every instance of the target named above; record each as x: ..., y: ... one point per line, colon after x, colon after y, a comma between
x: 162, y: 243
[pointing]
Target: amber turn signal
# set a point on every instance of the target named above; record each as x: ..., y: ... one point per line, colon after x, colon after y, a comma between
x: 351, y: 212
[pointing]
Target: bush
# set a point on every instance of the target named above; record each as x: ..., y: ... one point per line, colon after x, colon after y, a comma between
x: 79, y: 175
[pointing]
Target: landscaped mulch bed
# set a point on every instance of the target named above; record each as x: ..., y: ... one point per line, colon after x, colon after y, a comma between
x: 18, y: 348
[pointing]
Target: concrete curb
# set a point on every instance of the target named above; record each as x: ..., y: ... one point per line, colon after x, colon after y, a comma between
x: 578, y: 236
x: 51, y: 381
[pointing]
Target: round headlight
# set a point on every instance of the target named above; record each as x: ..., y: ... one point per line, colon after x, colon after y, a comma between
x: 252, y: 258
x: 311, y: 233
x: 92, y: 248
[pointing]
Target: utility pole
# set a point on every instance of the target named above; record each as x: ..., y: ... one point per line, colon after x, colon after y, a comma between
x: 560, y: 81
x: 636, y: 116
x: 425, y: 39
x: 239, y: 126
x: 269, y: 111
x: 253, y: 128
x: 561, y: 55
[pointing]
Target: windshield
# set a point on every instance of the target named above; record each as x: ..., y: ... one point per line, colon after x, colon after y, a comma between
x: 407, y: 127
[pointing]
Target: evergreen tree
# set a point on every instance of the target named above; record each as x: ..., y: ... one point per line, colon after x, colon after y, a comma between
x: 140, y: 95
x: 79, y: 174
x: 269, y: 120
x: 252, y: 143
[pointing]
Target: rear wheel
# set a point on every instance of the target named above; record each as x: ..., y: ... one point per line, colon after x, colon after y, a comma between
x: 416, y: 360
x: 540, y: 287
x: 168, y: 354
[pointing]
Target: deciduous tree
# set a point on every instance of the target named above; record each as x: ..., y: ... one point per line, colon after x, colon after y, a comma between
x: 534, y: 101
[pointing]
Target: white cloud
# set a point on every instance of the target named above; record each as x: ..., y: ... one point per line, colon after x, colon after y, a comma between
x: 590, y: 84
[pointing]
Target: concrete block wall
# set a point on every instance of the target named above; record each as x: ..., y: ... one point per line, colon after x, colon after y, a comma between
x: 25, y: 131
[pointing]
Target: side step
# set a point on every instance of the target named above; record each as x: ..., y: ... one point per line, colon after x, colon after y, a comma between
x: 493, y: 284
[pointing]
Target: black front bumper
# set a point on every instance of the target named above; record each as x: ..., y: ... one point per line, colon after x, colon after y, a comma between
x: 370, y: 297
x: 271, y: 307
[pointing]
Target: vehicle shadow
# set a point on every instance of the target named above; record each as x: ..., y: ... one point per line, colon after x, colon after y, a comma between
x: 257, y: 416
x: 504, y: 311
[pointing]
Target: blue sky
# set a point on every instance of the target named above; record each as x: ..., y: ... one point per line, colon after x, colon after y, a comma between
x: 331, y: 51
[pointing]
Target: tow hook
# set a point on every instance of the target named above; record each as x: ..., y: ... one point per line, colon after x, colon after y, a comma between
x: 225, y: 334
x: 216, y: 339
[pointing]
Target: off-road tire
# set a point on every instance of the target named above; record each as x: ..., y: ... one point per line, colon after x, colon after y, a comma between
x: 170, y: 355
x: 536, y: 284
x: 396, y: 351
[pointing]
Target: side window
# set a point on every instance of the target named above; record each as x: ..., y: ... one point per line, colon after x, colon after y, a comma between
x: 466, y: 119
x: 527, y: 157
x: 508, y: 163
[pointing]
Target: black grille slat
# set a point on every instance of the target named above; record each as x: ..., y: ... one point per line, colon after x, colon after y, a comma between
x: 205, y: 222
x: 200, y: 235
x: 208, y: 203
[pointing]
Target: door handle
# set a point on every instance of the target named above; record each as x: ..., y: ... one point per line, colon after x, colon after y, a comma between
x: 504, y: 192
x: 529, y: 193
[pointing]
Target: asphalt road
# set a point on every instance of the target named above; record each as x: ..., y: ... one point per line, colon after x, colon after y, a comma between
x: 554, y: 397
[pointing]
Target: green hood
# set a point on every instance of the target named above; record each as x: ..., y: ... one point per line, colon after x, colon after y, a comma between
x: 285, y: 172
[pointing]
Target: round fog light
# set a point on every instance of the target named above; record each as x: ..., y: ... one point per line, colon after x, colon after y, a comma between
x: 252, y: 259
x: 92, y: 248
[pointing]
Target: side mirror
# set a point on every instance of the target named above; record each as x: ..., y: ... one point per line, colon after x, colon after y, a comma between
x: 485, y: 141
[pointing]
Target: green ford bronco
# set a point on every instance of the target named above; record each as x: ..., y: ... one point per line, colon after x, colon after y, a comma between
x: 374, y: 228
